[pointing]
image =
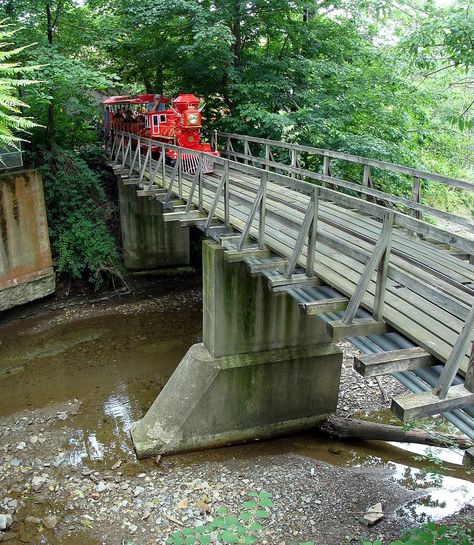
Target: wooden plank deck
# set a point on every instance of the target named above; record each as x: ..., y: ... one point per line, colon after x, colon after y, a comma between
x: 428, y: 291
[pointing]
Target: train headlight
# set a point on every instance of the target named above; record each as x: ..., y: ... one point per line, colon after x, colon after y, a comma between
x: 193, y: 119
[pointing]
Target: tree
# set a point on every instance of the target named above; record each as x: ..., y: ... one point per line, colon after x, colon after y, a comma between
x: 12, y: 82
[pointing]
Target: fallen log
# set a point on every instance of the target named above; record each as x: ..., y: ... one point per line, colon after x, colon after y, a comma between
x: 352, y: 428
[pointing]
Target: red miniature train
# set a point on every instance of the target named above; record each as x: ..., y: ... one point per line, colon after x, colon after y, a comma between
x: 176, y: 122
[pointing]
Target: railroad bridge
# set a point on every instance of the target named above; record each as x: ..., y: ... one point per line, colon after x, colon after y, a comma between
x: 295, y: 259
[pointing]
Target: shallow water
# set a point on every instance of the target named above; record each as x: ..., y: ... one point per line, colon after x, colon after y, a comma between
x: 115, y: 364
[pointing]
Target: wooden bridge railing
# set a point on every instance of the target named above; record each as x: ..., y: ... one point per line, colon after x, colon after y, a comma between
x: 264, y: 155
x: 212, y: 194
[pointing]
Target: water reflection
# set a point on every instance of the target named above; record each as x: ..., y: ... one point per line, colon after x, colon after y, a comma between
x: 445, y: 495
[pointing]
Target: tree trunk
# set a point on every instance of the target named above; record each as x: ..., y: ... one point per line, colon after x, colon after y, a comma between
x: 351, y: 428
x: 50, y: 132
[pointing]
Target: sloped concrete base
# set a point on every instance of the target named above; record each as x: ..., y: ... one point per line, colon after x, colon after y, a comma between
x: 210, y: 402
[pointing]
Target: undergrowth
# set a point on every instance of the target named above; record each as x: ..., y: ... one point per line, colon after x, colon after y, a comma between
x: 78, y: 212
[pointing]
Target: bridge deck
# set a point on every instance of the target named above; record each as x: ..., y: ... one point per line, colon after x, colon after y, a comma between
x: 432, y: 315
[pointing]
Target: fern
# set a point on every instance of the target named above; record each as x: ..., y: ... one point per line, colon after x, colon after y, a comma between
x: 12, y: 120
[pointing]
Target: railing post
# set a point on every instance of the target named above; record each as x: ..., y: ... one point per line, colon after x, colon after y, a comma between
x: 267, y: 156
x: 262, y: 211
x: 382, y: 270
x: 366, y: 180
x: 457, y: 354
x: 417, y: 197
x: 226, y: 193
x: 200, y: 181
x: 293, y: 161
x: 369, y: 269
x: 311, y: 254
x: 180, y: 173
x: 163, y: 164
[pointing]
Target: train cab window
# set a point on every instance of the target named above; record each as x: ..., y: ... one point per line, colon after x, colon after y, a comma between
x: 155, y: 121
x: 147, y: 122
x: 162, y: 118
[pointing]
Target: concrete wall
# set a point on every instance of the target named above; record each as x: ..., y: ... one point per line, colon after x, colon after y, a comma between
x: 149, y: 242
x: 242, y: 315
x: 26, y: 271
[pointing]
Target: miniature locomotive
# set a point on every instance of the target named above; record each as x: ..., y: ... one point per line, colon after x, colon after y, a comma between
x: 176, y: 122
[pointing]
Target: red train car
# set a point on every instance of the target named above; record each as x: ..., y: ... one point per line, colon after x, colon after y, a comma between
x: 176, y: 122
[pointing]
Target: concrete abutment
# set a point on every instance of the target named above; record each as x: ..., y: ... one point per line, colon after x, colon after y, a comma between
x: 148, y: 242
x: 263, y: 368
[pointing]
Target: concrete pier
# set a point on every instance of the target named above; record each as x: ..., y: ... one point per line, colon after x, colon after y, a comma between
x: 148, y: 242
x: 26, y: 271
x: 263, y: 369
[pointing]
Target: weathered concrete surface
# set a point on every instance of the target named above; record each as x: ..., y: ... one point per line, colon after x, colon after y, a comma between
x: 264, y: 369
x: 26, y: 271
x: 149, y: 242
x: 242, y: 315
x: 210, y: 402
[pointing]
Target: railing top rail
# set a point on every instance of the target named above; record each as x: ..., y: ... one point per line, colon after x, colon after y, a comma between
x: 343, y: 199
x: 453, y: 182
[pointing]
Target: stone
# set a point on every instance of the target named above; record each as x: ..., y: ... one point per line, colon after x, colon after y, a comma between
x: 37, y: 483
x: 32, y: 521
x: 15, y: 462
x: 133, y: 528
x: 138, y: 490
x: 101, y: 486
x: 34, y: 439
x: 21, y: 445
x: 6, y: 522
x: 374, y: 514
x: 50, y: 522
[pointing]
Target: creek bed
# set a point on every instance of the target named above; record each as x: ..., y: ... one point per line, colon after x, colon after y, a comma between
x: 72, y: 380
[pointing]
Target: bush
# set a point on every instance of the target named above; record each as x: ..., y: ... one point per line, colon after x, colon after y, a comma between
x: 78, y: 212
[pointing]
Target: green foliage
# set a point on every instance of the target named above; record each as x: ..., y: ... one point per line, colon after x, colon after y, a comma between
x: 11, y: 81
x: 433, y: 534
x: 243, y: 528
x: 77, y: 218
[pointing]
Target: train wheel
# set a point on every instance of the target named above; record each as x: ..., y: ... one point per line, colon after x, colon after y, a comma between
x: 170, y: 162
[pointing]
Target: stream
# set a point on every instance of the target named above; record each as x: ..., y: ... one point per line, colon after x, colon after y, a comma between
x: 111, y: 359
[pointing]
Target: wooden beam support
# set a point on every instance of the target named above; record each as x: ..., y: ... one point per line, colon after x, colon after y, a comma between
x: 335, y: 304
x: 413, y: 406
x: 191, y: 216
x: 393, y: 361
x: 233, y: 256
x: 130, y: 181
x: 360, y: 327
x: 278, y: 264
x: 280, y: 283
x: 150, y: 192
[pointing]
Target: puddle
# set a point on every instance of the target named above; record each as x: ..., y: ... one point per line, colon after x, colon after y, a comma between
x: 115, y: 365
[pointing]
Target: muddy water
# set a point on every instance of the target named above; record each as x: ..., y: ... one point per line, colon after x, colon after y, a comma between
x: 114, y: 362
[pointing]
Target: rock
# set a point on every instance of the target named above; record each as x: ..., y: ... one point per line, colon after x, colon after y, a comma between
x: 50, y: 522
x: 21, y: 445
x: 133, y: 528
x: 15, y: 462
x: 117, y: 465
x: 138, y: 490
x: 374, y: 514
x: 37, y: 464
x: 34, y: 439
x: 101, y: 486
x: 37, y: 483
x: 32, y: 521
x: 6, y: 522
x: 62, y: 416
x: 13, y: 504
